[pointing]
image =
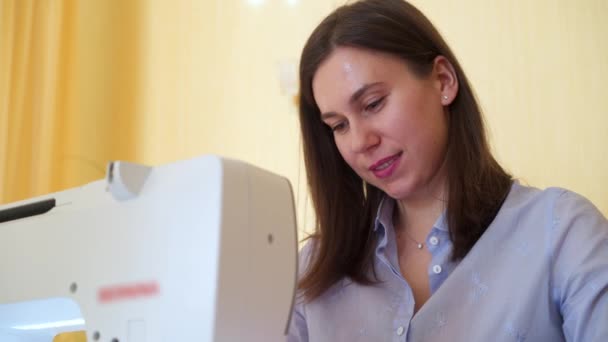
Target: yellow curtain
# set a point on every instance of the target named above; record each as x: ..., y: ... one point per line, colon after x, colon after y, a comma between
x: 69, y: 84
x: 36, y: 44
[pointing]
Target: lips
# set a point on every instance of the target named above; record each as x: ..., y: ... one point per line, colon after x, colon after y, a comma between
x: 385, y: 167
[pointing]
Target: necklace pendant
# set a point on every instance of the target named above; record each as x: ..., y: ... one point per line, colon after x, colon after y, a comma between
x: 420, y: 246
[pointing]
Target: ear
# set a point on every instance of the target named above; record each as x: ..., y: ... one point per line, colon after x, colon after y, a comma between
x: 447, y: 80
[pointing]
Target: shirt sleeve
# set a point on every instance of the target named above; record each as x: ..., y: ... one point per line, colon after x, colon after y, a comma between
x: 580, y: 268
x: 298, y: 328
x: 298, y: 332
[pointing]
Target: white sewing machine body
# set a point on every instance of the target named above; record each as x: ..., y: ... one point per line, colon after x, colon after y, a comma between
x: 198, y: 250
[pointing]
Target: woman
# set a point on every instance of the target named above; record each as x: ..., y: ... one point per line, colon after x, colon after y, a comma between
x: 421, y: 235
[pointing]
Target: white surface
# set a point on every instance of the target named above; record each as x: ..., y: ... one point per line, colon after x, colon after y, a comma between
x: 198, y: 228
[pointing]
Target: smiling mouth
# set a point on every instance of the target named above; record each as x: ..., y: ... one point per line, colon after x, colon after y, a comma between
x: 385, y: 163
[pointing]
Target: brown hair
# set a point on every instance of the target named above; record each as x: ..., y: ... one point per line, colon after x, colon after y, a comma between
x: 344, y: 240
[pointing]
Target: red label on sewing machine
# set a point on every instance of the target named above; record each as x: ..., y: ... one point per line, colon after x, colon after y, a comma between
x: 127, y: 292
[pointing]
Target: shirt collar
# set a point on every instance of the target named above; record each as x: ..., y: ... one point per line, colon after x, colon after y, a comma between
x: 385, y: 213
x: 442, y: 222
x: 384, y: 216
x: 383, y: 225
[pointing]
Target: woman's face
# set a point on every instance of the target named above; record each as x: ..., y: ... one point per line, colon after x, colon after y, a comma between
x: 389, y: 125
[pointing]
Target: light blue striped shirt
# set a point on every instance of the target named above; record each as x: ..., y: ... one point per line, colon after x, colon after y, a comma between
x: 539, y: 273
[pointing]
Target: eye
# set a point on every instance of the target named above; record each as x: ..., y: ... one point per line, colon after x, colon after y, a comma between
x: 374, y: 106
x: 339, y: 127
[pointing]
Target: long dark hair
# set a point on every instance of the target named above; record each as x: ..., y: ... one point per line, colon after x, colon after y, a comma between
x: 345, y: 205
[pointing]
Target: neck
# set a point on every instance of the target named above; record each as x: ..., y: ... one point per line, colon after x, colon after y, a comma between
x: 417, y: 215
x: 418, y: 212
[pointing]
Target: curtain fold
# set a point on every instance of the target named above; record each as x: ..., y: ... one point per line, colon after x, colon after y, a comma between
x: 36, y: 38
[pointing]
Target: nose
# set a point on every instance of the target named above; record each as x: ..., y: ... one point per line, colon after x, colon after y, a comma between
x: 363, y: 138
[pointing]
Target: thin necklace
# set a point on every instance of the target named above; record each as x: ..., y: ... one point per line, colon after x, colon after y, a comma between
x: 420, y: 245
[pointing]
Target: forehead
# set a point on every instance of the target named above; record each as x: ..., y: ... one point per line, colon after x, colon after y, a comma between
x: 347, y: 69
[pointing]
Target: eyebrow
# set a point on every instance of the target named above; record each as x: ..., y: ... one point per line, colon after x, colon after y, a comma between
x: 354, y: 98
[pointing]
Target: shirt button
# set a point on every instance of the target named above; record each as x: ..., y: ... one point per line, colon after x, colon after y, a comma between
x: 434, y: 240
x: 436, y: 269
x: 400, y: 331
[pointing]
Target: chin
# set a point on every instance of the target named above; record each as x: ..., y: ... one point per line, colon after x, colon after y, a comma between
x: 397, y: 194
x: 399, y: 191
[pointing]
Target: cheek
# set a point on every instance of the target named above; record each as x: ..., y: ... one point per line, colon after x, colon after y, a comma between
x: 435, y: 140
x: 346, y: 153
x: 425, y: 120
x: 341, y: 145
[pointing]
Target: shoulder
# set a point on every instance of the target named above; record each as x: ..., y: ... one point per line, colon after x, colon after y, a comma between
x: 575, y: 219
x: 573, y: 206
x: 305, y: 259
x: 548, y: 217
x: 522, y: 197
x: 579, y: 271
x: 562, y: 208
x: 552, y: 203
x: 573, y: 230
x: 306, y: 255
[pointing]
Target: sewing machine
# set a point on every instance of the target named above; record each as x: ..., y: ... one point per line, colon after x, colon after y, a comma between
x: 197, y: 250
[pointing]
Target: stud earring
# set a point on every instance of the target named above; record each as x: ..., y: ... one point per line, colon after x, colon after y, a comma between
x: 445, y: 97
